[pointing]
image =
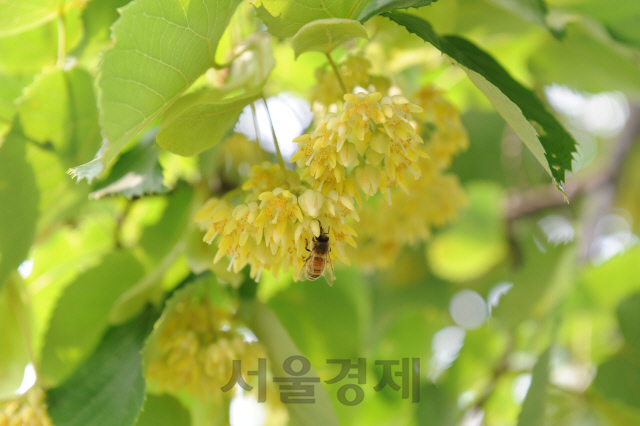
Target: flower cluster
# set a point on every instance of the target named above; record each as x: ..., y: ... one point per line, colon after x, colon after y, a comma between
x: 432, y: 201
x: 29, y: 411
x: 274, y: 231
x: 372, y: 143
x: 196, y: 348
x: 440, y: 124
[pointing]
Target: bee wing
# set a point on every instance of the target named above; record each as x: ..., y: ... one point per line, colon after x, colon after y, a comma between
x: 328, y: 270
x: 302, y: 275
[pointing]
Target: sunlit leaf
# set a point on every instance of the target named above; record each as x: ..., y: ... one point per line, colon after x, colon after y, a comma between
x: 324, y: 35
x: 108, y: 389
x: 80, y: 317
x: 146, y: 71
x: 376, y: 7
x: 17, y: 16
x: 163, y: 410
x: 70, y: 123
x: 549, y: 142
x: 28, y: 52
x: 284, y: 18
x: 10, y: 89
x: 199, y: 120
x: 533, y: 407
x: 18, y: 203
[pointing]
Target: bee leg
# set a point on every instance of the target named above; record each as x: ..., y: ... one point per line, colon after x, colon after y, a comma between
x: 306, y: 247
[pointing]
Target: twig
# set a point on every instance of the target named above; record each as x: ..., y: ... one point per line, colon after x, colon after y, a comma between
x: 275, y: 141
x: 545, y: 196
x: 335, y: 70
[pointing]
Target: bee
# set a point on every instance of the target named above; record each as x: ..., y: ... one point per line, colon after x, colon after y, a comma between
x: 319, y: 261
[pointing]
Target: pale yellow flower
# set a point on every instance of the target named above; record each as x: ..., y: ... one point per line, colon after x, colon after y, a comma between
x: 29, y: 411
x: 262, y: 177
x: 196, y: 348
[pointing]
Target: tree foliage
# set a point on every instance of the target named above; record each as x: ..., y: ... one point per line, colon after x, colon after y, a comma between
x: 169, y: 171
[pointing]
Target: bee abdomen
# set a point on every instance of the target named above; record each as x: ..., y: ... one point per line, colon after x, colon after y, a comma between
x: 315, y: 268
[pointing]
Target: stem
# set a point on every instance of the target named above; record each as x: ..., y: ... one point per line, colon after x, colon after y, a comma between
x: 335, y: 70
x: 62, y: 42
x: 254, y: 114
x: 275, y: 140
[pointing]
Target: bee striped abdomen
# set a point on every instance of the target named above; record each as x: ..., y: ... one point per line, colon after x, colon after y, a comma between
x: 315, y: 268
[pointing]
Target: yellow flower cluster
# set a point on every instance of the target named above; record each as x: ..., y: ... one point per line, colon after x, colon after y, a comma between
x: 196, y: 348
x: 355, y: 72
x: 431, y: 201
x: 29, y: 411
x: 372, y: 143
x: 440, y: 124
x: 275, y: 230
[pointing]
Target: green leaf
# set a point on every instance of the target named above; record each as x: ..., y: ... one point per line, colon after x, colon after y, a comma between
x: 618, y: 377
x: 60, y: 198
x: 531, y: 10
x: 10, y: 89
x: 324, y: 35
x: 533, y: 407
x: 285, y: 18
x: 629, y: 319
x: 200, y: 120
x: 163, y: 410
x: 160, y: 49
x: 137, y: 172
x: 17, y: 16
x: 547, y: 272
x: 71, y: 122
x: 108, y: 389
x: 302, y: 310
x: 14, y: 355
x: 30, y: 51
x: 376, y: 7
x: 97, y: 18
x: 586, y: 61
x: 279, y: 345
x: 549, y: 142
x: 476, y: 242
x: 162, y: 244
x: 18, y: 203
x: 620, y: 17
x: 81, y: 314
x: 620, y: 275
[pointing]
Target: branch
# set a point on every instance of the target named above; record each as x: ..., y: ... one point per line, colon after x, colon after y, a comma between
x: 544, y: 196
